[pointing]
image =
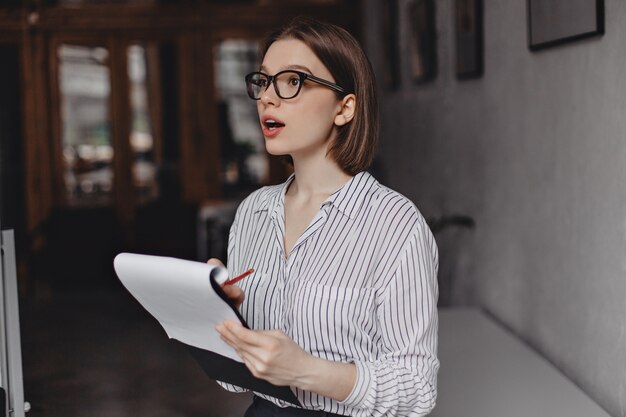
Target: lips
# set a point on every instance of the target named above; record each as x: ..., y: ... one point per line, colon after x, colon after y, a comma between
x: 271, y: 126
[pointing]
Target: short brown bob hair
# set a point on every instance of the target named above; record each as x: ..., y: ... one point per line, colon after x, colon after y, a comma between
x: 355, y: 144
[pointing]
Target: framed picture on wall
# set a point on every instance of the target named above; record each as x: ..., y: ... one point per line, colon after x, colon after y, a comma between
x: 468, y: 28
x: 391, y: 44
x: 553, y: 22
x: 422, y: 40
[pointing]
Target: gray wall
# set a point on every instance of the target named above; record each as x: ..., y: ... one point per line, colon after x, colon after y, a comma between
x: 535, y: 152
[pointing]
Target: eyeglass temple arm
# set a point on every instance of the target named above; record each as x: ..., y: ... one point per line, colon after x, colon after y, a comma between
x: 326, y: 83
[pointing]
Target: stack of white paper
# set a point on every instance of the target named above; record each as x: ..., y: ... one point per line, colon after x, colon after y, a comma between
x: 178, y: 293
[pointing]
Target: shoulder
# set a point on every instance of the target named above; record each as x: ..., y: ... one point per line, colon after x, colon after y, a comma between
x: 401, y: 231
x: 395, y: 207
x: 401, y: 216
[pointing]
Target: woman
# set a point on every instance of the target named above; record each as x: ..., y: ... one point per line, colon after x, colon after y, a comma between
x: 344, y: 293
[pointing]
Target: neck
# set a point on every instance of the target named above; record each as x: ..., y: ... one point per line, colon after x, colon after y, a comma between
x: 316, y: 175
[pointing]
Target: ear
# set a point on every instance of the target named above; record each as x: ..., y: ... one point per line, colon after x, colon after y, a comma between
x: 347, y: 107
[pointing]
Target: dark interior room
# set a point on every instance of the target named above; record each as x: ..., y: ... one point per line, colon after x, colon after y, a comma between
x: 125, y: 126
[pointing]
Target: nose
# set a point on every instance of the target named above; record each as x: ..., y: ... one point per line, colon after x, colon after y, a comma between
x: 269, y: 96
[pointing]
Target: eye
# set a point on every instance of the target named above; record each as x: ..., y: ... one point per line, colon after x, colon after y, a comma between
x: 294, y: 81
x: 261, y: 82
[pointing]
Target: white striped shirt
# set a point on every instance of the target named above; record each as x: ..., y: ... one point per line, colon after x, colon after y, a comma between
x: 360, y: 285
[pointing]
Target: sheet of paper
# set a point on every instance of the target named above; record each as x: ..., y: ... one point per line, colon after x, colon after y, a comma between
x: 179, y: 295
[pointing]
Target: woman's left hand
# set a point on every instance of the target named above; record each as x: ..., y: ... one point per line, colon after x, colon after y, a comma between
x: 269, y: 354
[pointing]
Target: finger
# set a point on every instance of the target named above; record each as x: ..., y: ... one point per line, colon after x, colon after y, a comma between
x: 250, y: 353
x: 249, y: 337
x: 260, y: 369
x: 277, y: 334
x: 253, y: 365
x: 233, y: 292
x: 257, y: 359
x: 253, y: 357
x: 250, y: 364
x: 231, y: 332
x: 232, y: 337
x: 227, y: 336
x: 215, y: 262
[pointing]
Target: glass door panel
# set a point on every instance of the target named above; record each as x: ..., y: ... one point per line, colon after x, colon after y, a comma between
x: 143, y: 104
x: 85, y: 90
x: 245, y: 164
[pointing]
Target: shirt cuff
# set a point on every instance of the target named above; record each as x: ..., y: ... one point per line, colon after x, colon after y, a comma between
x: 231, y: 387
x: 364, y: 380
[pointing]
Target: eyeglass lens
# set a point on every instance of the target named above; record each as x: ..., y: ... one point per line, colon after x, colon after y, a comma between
x: 287, y: 84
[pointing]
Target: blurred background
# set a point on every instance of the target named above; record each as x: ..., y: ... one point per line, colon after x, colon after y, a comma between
x: 125, y: 126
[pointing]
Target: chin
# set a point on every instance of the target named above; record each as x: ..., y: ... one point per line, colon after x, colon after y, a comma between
x: 276, y: 150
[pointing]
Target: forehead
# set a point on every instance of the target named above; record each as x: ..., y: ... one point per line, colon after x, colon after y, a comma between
x: 292, y: 53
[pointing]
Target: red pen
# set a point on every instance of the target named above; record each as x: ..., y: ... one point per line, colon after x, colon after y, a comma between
x: 239, y: 277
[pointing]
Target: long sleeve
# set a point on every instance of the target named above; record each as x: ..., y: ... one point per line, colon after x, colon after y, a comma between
x: 402, y: 379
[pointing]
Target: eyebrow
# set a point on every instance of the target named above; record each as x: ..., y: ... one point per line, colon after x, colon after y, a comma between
x: 291, y: 67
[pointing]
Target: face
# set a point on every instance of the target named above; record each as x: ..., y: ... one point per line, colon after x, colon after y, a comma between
x: 307, y: 121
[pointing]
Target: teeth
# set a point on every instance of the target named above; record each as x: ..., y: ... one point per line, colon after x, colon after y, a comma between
x: 270, y: 123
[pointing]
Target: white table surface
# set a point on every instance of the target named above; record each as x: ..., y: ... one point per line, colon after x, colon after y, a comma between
x: 487, y: 372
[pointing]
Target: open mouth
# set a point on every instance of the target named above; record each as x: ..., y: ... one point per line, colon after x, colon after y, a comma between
x: 272, y: 124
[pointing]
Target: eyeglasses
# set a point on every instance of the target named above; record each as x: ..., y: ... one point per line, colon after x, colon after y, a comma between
x: 287, y: 84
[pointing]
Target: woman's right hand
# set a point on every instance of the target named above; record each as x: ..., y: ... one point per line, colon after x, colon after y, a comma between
x: 233, y: 292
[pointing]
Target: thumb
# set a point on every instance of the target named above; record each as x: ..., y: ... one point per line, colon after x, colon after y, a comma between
x: 215, y: 262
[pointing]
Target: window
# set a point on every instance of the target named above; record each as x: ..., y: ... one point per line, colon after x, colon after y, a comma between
x: 143, y: 145
x: 84, y: 86
x: 244, y: 161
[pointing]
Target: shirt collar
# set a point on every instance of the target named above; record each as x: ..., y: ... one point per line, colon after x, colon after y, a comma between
x: 349, y: 198
x: 275, y: 199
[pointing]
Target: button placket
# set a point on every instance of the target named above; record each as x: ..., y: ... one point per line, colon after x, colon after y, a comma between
x: 292, y: 262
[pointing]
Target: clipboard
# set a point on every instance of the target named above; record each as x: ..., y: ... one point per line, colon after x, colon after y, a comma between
x: 187, y: 300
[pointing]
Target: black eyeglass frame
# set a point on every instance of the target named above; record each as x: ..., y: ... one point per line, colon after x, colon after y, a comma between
x: 303, y: 76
